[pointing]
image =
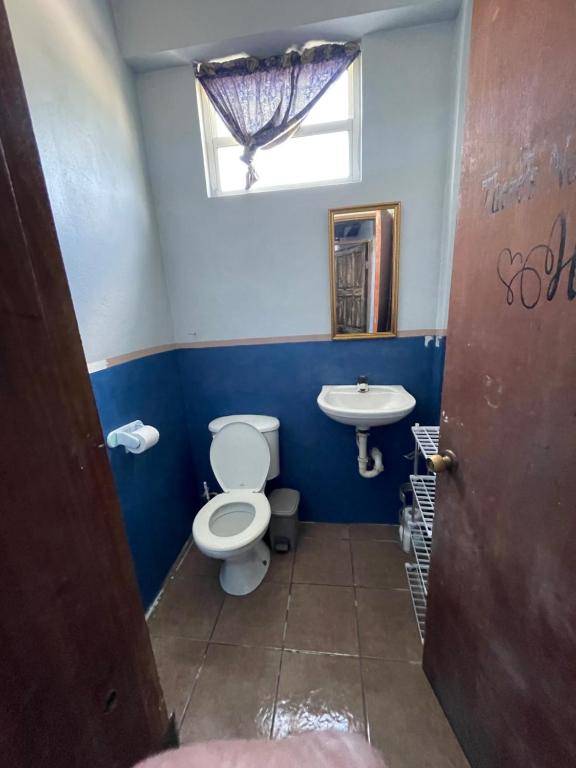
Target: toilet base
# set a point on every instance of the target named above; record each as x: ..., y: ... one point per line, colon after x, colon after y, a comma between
x: 241, y: 575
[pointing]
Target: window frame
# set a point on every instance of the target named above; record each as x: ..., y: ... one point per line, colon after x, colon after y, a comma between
x: 211, y: 142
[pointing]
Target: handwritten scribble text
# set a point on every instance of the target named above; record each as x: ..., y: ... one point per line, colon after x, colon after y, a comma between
x: 538, y: 274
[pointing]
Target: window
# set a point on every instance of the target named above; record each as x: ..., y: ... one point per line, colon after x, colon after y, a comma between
x: 324, y: 150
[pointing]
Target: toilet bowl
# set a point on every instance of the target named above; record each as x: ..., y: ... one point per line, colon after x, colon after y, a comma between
x: 231, y: 525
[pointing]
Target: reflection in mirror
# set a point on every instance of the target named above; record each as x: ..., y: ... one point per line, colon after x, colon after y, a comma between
x: 364, y: 251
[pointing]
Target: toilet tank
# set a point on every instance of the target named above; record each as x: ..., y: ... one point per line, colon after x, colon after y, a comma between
x: 267, y: 425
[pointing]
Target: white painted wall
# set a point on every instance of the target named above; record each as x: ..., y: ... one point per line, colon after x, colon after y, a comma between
x: 452, y: 192
x: 257, y: 265
x: 84, y: 114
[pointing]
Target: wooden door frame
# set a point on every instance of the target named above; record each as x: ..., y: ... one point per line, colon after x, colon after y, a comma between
x: 78, y: 677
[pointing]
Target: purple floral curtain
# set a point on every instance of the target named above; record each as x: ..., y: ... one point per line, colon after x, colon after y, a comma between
x: 263, y: 101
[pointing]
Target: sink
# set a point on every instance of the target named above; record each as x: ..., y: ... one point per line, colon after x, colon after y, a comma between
x: 379, y: 406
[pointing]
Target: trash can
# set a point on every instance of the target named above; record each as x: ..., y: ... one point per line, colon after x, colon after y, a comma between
x: 284, y: 503
x: 406, y: 516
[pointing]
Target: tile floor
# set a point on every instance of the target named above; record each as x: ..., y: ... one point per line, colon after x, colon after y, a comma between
x: 328, y: 640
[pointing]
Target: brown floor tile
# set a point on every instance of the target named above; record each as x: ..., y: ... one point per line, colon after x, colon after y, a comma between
x: 373, y: 532
x: 322, y: 618
x: 405, y: 720
x: 379, y: 564
x: 280, y: 570
x: 386, y: 625
x: 233, y: 696
x: 325, y: 561
x: 178, y: 660
x: 324, y: 530
x: 318, y: 692
x: 255, y: 619
x: 189, y: 607
x: 194, y: 563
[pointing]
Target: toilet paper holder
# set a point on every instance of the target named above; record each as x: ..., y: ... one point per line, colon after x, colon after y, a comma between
x: 123, y: 436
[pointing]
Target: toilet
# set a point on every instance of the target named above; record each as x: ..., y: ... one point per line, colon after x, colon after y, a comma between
x: 243, y: 455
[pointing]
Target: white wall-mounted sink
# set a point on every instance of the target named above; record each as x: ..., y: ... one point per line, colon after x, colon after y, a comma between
x: 379, y: 406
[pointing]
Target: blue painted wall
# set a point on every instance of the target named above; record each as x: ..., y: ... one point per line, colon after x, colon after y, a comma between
x: 179, y: 392
x: 318, y: 456
x: 157, y: 489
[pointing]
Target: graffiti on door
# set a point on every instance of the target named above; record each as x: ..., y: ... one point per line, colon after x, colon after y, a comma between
x: 543, y: 273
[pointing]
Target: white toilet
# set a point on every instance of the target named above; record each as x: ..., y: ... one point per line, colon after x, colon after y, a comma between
x: 244, y: 454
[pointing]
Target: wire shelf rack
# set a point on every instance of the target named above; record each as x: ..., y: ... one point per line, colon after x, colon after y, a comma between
x: 424, y: 492
x: 421, y: 544
x: 418, y: 595
x: 424, y: 487
x: 426, y: 439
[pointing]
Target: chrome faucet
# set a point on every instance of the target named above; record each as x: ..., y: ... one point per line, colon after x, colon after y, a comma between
x: 362, y: 384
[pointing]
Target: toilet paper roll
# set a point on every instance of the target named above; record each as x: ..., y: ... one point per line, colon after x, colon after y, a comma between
x: 148, y: 437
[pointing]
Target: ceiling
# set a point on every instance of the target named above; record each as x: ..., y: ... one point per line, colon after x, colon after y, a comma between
x: 156, y: 55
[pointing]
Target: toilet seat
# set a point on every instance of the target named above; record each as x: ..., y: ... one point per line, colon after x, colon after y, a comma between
x: 251, y: 501
x: 240, y: 457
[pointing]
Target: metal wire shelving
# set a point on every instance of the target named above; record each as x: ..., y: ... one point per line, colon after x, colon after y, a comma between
x: 421, y: 544
x: 424, y: 488
x: 426, y: 439
x: 418, y: 596
x: 424, y: 491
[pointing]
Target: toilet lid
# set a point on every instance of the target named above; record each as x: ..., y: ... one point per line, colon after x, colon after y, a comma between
x: 240, y: 457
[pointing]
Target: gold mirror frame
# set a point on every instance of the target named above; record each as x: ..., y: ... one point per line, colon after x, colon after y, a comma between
x: 363, y: 212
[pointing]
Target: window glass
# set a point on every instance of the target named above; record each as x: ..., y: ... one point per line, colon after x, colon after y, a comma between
x: 301, y: 160
x: 333, y: 105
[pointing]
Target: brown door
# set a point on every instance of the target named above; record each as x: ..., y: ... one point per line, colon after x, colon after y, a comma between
x: 501, y: 631
x: 78, y: 684
x: 352, y: 287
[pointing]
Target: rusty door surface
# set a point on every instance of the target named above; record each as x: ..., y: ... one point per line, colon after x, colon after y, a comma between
x: 501, y: 631
x: 78, y: 681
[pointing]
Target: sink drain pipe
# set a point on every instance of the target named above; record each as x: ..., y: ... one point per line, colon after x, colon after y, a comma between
x: 363, y: 460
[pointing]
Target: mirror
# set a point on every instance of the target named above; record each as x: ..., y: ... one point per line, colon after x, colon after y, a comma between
x: 364, y: 255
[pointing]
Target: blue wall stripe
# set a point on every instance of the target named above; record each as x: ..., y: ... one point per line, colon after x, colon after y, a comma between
x: 318, y: 456
x: 157, y: 489
x: 181, y: 391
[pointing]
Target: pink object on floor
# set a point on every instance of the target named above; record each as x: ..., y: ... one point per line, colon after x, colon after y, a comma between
x: 312, y: 750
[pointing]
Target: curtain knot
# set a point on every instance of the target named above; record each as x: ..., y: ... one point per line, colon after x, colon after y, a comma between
x: 248, y: 157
